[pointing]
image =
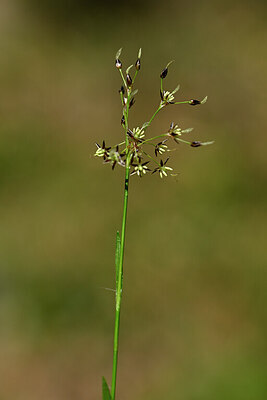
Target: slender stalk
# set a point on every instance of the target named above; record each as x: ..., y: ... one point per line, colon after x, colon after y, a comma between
x: 153, y: 116
x: 119, y: 289
x: 182, y: 102
x: 123, y: 230
x: 155, y: 137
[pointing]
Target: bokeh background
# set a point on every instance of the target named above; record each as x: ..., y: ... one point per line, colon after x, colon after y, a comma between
x: 194, y: 308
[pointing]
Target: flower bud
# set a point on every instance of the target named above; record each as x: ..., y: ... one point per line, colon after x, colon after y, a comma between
x: 122, y: 90
x: 194, y: 102
x: 129, y: 80
x: 132, y: 101
x: 118, y: 63
x: 164, y: 73
x: 138, y: 64
x: 195, y: 144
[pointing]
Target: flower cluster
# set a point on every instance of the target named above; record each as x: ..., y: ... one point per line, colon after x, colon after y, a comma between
x: 134, y: 152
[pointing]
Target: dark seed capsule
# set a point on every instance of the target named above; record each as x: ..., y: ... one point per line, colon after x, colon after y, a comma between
x: 122, y: 90
x: 161, y: 95
x: 195, y: 144
x: 129, y: 80
x: 123, y: 120
x: 164, y: 73
x: 194, y: 102
x: 118, y: 63
x: 138, y: 64
x: 132, y: 102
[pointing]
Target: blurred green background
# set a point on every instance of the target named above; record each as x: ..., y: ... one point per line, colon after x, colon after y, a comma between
x: 194, y: 308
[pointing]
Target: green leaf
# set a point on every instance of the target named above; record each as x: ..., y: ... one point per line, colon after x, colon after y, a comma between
x: 118, y: 53
x: 117, y: 258
x: 128, y: 69
x: 169, y: 63
x: 176, y: 89
x: 134, y: 93
x: 105, y: 390
x: 206, y: 143
x: 187, y: 130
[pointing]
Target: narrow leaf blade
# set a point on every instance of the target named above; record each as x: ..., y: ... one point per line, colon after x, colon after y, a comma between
x: 118, y: 53
x: 117, y: 257
x: 105, y: 390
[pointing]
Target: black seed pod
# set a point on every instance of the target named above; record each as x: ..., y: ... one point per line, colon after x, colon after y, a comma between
x: 132, y: 101
x: 195, y: 144
x: 122, y: 90
x: 194, y: 102
x: 123, y: 120
x: 118, y: 63
x: 129, y: 80
x: 138, y: 64
x: 164, y: 73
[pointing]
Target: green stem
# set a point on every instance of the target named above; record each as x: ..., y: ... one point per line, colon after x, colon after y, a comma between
x: 182, y: 102
x: 155, y: 137
x: 183, y: 141
x: 135, y: 75
x: 153, y: 159
x: 119, y: 289
x: 123, y: 79
x: 153, y: 116
x: 120, y: 273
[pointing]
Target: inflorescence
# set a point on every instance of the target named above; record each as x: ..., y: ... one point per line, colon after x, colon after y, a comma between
x: 133, y: 152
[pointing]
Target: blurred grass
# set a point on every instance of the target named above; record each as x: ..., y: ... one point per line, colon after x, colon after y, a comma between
x: 193, y: 323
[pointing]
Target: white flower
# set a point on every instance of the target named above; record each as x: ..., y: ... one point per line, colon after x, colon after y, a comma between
x: 162, y: 168
x: 138, y: 133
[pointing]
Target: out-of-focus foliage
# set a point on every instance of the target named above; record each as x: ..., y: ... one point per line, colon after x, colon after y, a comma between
x: 65, y: 12
x: 193, y: 317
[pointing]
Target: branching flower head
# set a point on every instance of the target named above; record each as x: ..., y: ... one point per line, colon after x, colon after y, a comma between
x: 133, y: 152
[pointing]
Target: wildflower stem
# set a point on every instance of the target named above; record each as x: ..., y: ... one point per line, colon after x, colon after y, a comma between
x: 119, y: 288
x: 121, y: 98
x: 135, y: 75
x: 153, y: 116
x: 155, y: 137
x: 120, y: 272
x: 123, y: 79
x: 119, y: 144
x: 182, y: 140
x: 153, y: 159
x: 182, y: 102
